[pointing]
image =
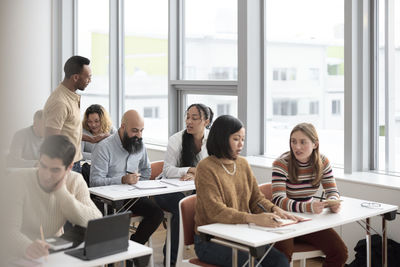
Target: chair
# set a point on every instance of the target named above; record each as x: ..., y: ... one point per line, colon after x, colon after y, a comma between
x: 301, y: 251
x: 186, y: 232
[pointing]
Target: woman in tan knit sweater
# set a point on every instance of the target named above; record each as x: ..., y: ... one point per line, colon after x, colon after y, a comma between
x: 227, y: 192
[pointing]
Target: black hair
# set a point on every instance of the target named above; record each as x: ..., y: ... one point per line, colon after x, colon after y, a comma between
x: 74, y: 65
x: 188, y: 153
x: 218, y: 138
x: 58, y: 146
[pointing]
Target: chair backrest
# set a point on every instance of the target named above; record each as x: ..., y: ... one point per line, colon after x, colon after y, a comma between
x: 266, y: 189
x: 156, y: 169
x: 187, y: 208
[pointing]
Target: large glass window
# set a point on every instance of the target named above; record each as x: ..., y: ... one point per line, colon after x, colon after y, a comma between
x: 304, y: 73
x: 146, y: 65
x: 388, y: 90
x: 93, y: 43
x: 210, y: 40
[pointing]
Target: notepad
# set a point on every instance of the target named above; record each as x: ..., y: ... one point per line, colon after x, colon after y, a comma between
x: 57, y: 243
x: 149, y: 184
x: 177, y: 182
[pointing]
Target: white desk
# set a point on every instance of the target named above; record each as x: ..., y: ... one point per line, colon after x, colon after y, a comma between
x: 60, y: 259
x: 124, y: 191
x: 114, y: 193
x: 351, y: 211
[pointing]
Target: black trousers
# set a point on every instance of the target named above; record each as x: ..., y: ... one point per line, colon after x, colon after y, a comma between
x: 152, y: 218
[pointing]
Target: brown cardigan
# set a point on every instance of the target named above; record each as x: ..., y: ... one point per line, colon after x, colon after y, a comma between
x: 224, y: 198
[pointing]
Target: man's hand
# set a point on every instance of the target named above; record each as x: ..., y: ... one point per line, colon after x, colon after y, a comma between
x: 130, y: 178
x: 37, y: 249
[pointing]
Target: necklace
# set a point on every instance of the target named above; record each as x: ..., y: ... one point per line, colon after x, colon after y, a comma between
x: 227, y: 171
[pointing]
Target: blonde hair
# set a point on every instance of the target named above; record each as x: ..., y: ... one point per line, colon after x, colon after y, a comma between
x: 105, y: 121
x: 315, y: 159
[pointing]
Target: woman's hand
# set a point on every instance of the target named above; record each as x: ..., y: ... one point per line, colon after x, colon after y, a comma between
x: 264, y: 219
x: 284, y: 214
x: 37, y: 249
x: 335, y: 208
x: 191, y: 173
x: 317, y: 206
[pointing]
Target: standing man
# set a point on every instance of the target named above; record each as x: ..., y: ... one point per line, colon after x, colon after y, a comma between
x: 62, y: 108
x: 122, y: 159
x: 46, y: 197
x: 25, y: 145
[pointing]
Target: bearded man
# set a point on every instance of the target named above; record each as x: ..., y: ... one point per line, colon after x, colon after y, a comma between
x: 122, y: 159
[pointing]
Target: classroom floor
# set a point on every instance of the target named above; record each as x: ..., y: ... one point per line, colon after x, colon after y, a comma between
x: 158, y: 242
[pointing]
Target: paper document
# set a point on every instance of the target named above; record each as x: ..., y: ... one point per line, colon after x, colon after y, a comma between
x: 149, y: 184
x: 177, y: 182
x: 57, y: 243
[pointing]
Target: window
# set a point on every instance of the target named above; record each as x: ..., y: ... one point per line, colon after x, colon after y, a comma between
x: 146, y: 65
x: 223, y: 109
x: 93, y: 43
x: 313, y: 74
x: 303, y: 48
x: 210, y: 40
x: 388, y: 125
x: 285, y: 107
x: 314, y: 107
x: 151, y: 112
x: 335, y: 107
x: 284, y: 74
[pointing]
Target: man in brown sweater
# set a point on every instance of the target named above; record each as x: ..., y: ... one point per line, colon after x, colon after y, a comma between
x: 47, y: 197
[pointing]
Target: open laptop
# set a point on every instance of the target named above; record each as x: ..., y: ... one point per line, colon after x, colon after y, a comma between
x: 104, y: 236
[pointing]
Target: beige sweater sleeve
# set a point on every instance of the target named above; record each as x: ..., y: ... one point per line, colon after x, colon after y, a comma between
x: 74, y: 201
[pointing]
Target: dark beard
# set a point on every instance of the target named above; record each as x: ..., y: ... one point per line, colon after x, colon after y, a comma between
x: 132, y: 144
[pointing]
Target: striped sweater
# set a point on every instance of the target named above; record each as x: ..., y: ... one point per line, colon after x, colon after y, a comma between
x: 298, y: 196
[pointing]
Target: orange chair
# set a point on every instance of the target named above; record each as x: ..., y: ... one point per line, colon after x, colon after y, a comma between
x: 186, y: 232
x: 301, y: 251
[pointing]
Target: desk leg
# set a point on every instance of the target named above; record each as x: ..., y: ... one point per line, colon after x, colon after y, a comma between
x: 234, y: 257
x: 251, y: 260
x: 168, y: 250
x: 105, y: 208
x: 368, y: 242
x: 384, y: 243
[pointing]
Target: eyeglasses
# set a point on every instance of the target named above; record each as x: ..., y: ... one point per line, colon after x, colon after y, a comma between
x: 371, y: 205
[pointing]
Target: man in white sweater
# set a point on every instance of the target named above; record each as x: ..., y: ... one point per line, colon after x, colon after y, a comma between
x: 47, y: 196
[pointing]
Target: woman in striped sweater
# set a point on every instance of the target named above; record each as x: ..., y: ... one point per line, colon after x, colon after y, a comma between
x: 296, y: 177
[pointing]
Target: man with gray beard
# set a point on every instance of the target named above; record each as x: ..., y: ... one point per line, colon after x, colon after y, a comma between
x: 122, y: 159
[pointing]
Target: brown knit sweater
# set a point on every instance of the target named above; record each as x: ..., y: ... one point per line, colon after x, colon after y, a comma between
x: 224, y: 198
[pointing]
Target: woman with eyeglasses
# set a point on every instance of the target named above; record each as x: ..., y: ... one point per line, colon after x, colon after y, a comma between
x: 185, y: 149
x: 296, y: 177
x: 227, y: 192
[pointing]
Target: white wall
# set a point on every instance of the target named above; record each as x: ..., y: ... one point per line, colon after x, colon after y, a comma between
x: 25, y: 53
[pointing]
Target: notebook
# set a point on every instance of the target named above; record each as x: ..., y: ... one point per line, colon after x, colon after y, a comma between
x: 177, y: 182
x: 149, y: 184
x: 104, y: 236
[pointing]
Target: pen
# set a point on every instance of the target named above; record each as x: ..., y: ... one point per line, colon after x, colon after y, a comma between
x: 262, y: 207
x: 322, y: 197
x: 42, y: 236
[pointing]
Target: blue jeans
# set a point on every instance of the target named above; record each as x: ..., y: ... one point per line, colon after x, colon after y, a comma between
x: 170, y: 203
x: 216, y: 254
x: 77, y: 167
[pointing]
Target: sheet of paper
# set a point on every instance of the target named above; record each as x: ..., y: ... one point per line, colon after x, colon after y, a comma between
x: 177, y: 182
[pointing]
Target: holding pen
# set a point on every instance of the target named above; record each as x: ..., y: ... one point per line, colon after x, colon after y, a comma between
x: 131, y: 177
x: 262, y: 207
